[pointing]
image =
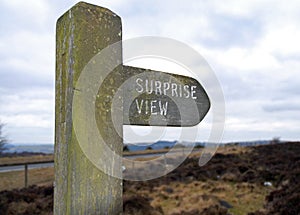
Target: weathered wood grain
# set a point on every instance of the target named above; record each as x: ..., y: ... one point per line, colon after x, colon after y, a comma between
x: 80, y: 187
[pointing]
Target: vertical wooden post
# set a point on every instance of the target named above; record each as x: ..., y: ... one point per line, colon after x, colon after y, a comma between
x: 80, y: 187
x: 26, y: 174
x: 165, y: 163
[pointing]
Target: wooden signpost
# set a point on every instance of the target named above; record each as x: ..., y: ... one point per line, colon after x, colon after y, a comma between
x: 80, y: 187
x: 150, y: 98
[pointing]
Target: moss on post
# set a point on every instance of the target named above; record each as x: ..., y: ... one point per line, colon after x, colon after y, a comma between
x: 80, y: 187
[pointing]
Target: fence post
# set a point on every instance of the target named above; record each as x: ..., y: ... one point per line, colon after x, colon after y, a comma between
x: 26, y: 174
x: 80, y: 187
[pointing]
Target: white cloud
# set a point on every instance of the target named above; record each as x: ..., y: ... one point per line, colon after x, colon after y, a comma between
x: 37, y: 101
x: 29, y: 52
x: 252, y: 46
x: 26, y: 13
x: 29, y: 121
x: 282, y: 41
x: 244, y: 59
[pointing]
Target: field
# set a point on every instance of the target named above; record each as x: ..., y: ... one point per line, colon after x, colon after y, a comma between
x: 16, y: 179
x: 25, y: 159
x: 253, y: 180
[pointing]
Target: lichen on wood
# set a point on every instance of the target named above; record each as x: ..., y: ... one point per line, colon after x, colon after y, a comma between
x: 80, y: 187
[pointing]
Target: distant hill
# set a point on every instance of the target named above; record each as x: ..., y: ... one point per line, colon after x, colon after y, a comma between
x: 30, y: 147
x: 49, y: 148
x: 250, y: 143
x: 144, y: 146
x: 160, y: 145
x: 169, y: 144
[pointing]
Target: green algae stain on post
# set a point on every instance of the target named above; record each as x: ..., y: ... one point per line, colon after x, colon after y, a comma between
x: 80, y: 187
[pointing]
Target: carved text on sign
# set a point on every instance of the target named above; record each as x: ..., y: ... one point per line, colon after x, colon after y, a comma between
x: 157, y: 87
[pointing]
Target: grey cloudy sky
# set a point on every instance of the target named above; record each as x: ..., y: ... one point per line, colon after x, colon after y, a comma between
x: 252, y: 46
